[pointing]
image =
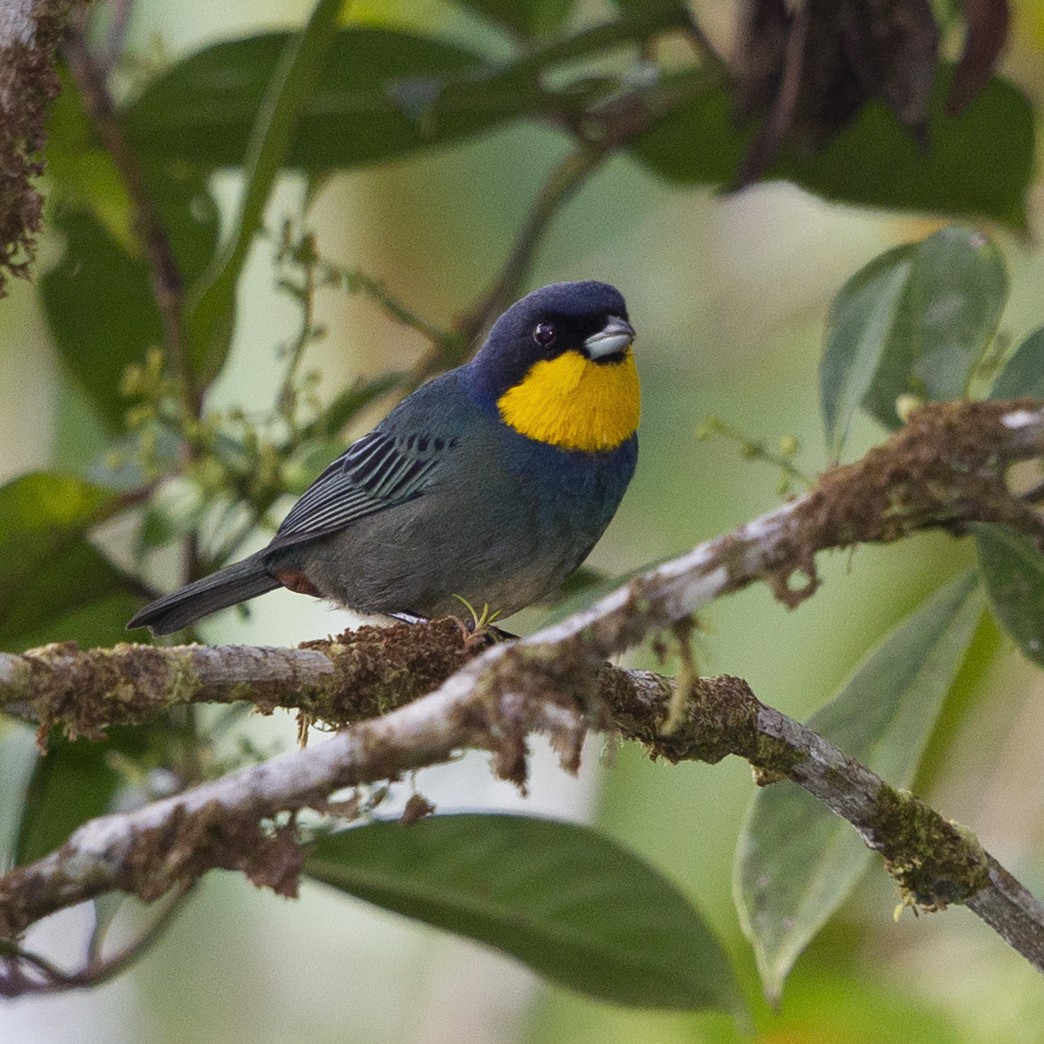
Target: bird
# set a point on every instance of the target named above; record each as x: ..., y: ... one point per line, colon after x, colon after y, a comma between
x: 487, y: 486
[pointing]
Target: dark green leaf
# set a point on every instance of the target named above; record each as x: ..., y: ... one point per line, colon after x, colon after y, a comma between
x: 915, y: 320
x: 40, y: 513
x: 18, y: 754
x: 528, y: 18
x: 202, y: 110
x: 1013, y: 570
x: 97, y: 343
x: 72, y: 784
x: 47, y: 569
x: 1023, y: 371
x: 187, y: 213
x: 76, y: 594
x: 696, y: 142
x: 211, y: 306
x: 977, y: 164
x: 560, y: 897
x: 874, y: 162
x: 797, y: 861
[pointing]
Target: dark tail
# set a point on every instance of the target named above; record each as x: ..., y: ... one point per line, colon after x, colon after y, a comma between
x: 229, y: 586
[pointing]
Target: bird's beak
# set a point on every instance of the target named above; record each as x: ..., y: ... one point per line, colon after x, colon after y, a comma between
x: 613, y: 339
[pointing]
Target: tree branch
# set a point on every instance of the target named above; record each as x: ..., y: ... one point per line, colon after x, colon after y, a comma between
x: 945, y: 469
x: 168, y: 289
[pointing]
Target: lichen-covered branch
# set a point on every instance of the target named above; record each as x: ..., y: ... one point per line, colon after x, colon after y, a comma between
x: 29, y: 35
x: 945, y: 469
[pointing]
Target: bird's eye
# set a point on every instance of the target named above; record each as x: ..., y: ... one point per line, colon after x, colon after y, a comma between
x: 543, y: 333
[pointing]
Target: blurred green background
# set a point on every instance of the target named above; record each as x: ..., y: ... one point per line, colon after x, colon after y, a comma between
x: 729, y: 296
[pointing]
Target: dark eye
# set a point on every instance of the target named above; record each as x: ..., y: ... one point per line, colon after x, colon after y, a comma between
x: 543, y: 333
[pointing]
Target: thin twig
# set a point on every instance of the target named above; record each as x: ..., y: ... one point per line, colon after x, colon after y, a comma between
x: 164, y: 273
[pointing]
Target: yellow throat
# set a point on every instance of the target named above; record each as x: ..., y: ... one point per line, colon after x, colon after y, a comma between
x: 574, y: 403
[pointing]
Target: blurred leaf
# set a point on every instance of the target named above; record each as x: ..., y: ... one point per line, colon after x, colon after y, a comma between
x: 697, y: 142
x: 202, y: 110
x: 212, y: 302
x: 47, y: 567
x: 797, y: 861
x: 1012, y: 568
x: 18, y: 754
x: 977, y: 164
x: 96, y: 343
x: 39, y: 514
x: 188, y: 214
x: 758, y: 59
x: 567, y: 901
x: 914, y: 320
x: 861, y: 320
x: 95, y: 622
x: 528, y: 18
x: 176, y: 508
x: 72, y: 784
x: 874, y: 162
x: 69, y: 598
x: 82, y: 175
x: 1022, y: 373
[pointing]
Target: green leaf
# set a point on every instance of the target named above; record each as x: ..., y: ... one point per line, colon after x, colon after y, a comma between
x: 188, y: 214
x: 915, y: 320
x: 527, y: 18
x: 796, y: 861
x: 18, y: 755
x: 1012, y: 568
x: 977, y: 164
x: 862, y: 318
x: 1022, y: 373
x: 96, y: 344
x: 211, y: 309
x: 40, y: 513
x: 72, y: 784
x: 697, y: 142
x: 75, y: 594
x: 49, y: 574
x: 374, y: 100
x: 567, y: 901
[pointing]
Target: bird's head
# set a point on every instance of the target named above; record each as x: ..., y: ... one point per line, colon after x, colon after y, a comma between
x: 558, y: 367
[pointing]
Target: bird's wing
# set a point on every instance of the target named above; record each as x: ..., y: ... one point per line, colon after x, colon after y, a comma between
x: 379, y: 470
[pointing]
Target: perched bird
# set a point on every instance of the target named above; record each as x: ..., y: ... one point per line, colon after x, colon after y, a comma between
x: 490, y: 483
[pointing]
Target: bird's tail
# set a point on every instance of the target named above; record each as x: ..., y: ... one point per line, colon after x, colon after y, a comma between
x: 229, y: 586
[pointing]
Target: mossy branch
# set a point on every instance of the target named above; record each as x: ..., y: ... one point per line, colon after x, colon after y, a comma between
x: 947, y: 468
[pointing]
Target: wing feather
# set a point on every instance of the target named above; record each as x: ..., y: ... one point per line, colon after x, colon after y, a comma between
x: 374, y: 473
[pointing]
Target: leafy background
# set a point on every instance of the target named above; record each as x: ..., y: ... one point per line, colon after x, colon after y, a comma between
x: 731, y: 296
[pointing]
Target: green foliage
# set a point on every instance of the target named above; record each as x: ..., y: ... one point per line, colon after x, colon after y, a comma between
x: 527, y: 18
x: 872, y: 163
x: 1023, y: 371
x: 211, y: 308
x: 97, y: 345
x: 1012, y: 568
x: 55, y: 585
x: 797, y: 861
x: 913, y: 322
x: 202, y: 110
x: 564, y: 899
